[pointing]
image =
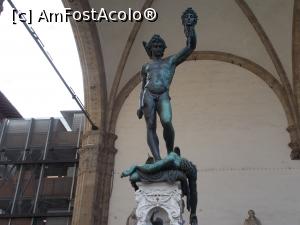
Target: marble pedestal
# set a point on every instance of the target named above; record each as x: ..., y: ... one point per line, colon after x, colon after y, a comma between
x: 162, y: 199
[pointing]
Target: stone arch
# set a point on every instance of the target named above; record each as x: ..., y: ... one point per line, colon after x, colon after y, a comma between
x: 247, y: 64
x: 91, y: 60
x: 96, y: 148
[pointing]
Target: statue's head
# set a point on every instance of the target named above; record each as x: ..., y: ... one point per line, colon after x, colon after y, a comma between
x: 189, y: 17
x: 155, y: 47
x: 251, y: 213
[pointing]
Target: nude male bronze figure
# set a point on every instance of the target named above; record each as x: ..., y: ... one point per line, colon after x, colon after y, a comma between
x: 157, y: 76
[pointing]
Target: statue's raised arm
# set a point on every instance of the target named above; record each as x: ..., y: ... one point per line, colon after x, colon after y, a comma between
x: 189, y: 20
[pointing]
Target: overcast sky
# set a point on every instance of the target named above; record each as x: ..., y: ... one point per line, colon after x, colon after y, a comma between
x: 27, y: 79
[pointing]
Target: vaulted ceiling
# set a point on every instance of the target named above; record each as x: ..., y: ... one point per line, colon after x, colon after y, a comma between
x: 257, y: 35
x: 223, y: 26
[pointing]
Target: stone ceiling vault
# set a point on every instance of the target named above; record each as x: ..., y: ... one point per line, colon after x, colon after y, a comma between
x: 242, y: 28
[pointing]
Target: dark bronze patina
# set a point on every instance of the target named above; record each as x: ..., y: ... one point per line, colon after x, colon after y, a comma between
x: 157, y: 76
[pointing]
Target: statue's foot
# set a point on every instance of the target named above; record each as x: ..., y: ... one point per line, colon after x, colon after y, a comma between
x: 193, y: 219
x: 128, y: 172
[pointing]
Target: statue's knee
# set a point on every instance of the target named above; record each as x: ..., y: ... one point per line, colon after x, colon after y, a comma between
x: 151, y: 125
x: 166, y: 123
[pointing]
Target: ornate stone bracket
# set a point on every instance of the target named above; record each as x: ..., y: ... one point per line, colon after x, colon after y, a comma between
x: 161, y: 196
x: 295, y: 154
x: 294, y: 144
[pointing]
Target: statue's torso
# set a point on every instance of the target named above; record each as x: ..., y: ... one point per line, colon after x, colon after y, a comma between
x: 252, y: 221
x: 159, y: 75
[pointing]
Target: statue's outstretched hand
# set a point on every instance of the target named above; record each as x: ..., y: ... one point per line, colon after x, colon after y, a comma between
x: 189, y: 31
x: 140, y: 113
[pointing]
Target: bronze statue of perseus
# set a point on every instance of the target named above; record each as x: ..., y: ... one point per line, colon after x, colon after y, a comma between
x: 157, y: 76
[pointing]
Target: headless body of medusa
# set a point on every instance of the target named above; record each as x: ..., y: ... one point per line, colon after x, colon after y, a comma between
x: 157, y: 76
x: 172, y: 161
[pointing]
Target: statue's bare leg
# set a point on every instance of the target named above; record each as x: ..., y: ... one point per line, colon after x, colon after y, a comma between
x: 165, y: 114
x: 150, y: 117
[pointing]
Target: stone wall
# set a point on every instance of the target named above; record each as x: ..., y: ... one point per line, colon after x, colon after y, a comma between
x: 233, y: 127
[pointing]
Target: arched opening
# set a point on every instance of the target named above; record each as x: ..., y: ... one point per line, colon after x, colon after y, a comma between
x: 218, y: 56
x: 91, y: 59
x: 231, y: 125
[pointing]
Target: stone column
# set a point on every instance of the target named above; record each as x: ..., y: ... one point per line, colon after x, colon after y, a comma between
x: 106, y: 163
x: 162, y: 197
x: 94, y: 179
